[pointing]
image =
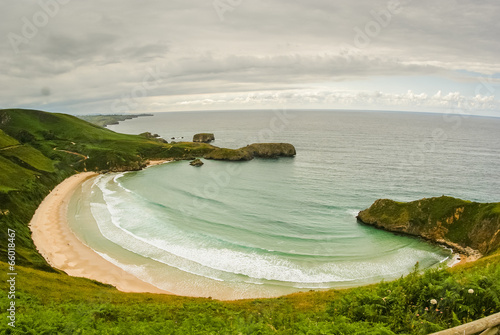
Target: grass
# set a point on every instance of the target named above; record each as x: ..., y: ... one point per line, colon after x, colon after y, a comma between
x: 229, y: 154
x: 30, y: 156
x: 12, y: 176
x: 6, y: 140
x: 52, y: 303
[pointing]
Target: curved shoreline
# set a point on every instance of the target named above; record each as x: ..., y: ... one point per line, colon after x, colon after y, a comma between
x: 61, y: 248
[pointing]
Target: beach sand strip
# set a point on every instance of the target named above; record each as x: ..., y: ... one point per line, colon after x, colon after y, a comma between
x: 57, y: 243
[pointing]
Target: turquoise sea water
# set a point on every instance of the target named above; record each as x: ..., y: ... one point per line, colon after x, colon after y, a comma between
x: 269, y: 227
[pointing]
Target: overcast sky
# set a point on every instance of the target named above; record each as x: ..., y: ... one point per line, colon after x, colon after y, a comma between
x: 124, y: 56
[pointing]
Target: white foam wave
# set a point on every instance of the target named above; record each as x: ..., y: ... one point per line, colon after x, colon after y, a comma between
x: 353, y: 212
x: 136, y: 270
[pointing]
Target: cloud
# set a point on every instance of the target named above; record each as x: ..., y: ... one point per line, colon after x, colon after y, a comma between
x: 450, y: 102
x: 92, y: 53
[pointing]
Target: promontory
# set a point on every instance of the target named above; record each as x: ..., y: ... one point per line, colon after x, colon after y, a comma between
x: 468, y: 227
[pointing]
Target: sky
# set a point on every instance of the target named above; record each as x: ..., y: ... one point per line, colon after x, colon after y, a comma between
x: 115, y: 57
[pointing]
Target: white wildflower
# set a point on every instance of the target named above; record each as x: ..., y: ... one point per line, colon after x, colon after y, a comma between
x: 470, y: 291
x: 433, y: 301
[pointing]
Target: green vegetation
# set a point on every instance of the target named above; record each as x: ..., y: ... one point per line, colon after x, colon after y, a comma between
x: 229, y: 155
x: 460, y: 224
x: 153, y: 136
x: 106, y: 120
x: 50, y: 147
x: 52, y: 303
x: 30, y: 156
x: 6, y: 140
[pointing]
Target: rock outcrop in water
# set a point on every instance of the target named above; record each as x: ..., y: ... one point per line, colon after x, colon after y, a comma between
x: 467, y: 227
x: 204, y: 138
x: 197, y: 162
x: 260, y: 150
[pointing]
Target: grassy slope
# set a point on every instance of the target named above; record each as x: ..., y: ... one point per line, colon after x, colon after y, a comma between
x: 49, y: 302
x: 6, y: 140
x: 465, y: 223
x: 31, y: 157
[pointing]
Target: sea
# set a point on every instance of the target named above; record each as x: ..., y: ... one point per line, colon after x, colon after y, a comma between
x: 270, y: 227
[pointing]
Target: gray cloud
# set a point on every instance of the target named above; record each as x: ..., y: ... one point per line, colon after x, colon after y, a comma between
x: 92, y: 53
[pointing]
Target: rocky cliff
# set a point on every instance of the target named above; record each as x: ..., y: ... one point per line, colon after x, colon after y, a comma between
x: 467, y: 227
x: 204, y: 138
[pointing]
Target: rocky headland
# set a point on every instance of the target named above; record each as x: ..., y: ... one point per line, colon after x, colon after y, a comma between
x: 204, y: 138
x: 256, y: 150
x: 469, y: 228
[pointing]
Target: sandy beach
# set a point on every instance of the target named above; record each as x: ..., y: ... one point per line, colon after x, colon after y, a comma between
x: 158, y: 162
x: 63, y: 250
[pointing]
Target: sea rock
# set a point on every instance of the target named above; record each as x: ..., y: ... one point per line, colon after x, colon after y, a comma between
x: 204, y: 137
x: 196, y: 162
x: 271, y: 150
x: 466, y: 227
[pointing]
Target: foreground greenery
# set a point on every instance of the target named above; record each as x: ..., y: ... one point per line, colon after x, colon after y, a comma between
x: 38, y: 150
x: 50, y: 303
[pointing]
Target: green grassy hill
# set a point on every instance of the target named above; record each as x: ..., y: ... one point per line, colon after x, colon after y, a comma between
x: 38, y: 150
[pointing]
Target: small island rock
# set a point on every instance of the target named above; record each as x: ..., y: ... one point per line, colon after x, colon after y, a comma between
x: 204, y: 137
x: 196, y: 162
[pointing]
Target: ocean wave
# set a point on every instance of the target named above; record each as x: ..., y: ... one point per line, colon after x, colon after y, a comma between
x: 353, y: 212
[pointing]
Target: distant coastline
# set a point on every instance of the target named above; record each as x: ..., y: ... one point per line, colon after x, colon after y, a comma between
x: 107, y: 120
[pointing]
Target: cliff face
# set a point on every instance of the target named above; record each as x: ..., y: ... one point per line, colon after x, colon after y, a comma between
x: 204, y: 138
x: 462, y: 225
